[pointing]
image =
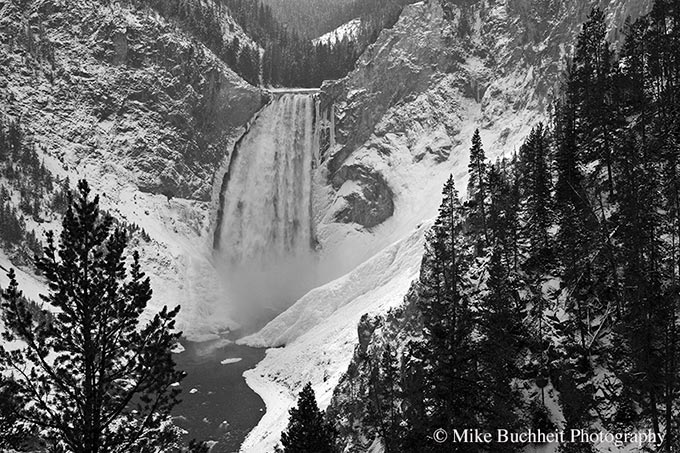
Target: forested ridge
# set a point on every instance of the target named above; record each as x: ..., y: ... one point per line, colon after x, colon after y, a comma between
x: 548, y: 299
x: 313, y: 18
x: 285, y: 55
x: 291, y: 59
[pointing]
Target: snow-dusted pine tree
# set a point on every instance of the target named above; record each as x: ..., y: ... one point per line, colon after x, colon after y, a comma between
x: 307, y: 430
x: 95, y: 378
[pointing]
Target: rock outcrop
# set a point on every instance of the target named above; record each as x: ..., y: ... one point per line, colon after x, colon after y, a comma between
x: 369, y: 205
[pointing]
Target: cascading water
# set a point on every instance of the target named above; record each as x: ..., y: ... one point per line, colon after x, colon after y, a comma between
x: 264, y: 237
x: 266, y: 212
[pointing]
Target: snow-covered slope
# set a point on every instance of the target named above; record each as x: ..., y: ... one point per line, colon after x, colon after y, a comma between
x: 31, y: 286
x: 344, y: 31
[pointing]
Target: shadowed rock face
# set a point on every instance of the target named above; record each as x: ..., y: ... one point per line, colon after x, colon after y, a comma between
x: 120, y: 87
x: 372, y: 205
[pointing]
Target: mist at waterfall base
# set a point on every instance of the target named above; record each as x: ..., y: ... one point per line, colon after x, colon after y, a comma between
x: 257, y: 294
x: 264, y: 242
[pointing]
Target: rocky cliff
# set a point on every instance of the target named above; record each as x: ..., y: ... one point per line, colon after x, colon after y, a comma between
x: 100, y: 82
x: 502, y: 60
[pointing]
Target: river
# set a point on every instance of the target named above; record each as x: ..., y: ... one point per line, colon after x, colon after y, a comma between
x: 217, y: 404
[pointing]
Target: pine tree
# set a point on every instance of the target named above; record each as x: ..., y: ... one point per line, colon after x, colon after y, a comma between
x: 649, y: 211
x: 500, y: 324
x: 503, y: 217
x: 447, y: 352
x: 477, y: 189
x: 592, y: 85
x: 307, y: 431
x: 539, y: 328
x: 574, y: 220
x: 106, y: 385
x: 384, y: 395
x: 536, y: 190
x: 445, y: 241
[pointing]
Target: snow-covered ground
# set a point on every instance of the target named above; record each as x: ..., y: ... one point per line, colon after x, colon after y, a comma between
x: 345, y: 31
x: 29, y: 284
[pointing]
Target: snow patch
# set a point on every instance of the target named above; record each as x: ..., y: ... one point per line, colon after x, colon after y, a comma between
x: 348, y: 31
x: 178, y: 349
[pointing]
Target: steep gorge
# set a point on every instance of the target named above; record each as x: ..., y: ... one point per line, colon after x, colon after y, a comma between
x: 151, y: 116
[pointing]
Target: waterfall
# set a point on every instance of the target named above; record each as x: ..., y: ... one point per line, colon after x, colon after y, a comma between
x: 331, y: 112
x: 266, y: 203
x: 264, y: 236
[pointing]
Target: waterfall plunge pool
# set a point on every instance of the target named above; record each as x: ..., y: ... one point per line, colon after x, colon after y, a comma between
x: 217, y: 404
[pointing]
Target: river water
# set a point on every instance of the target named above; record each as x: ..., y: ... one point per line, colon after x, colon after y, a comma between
x: 217, y: 404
